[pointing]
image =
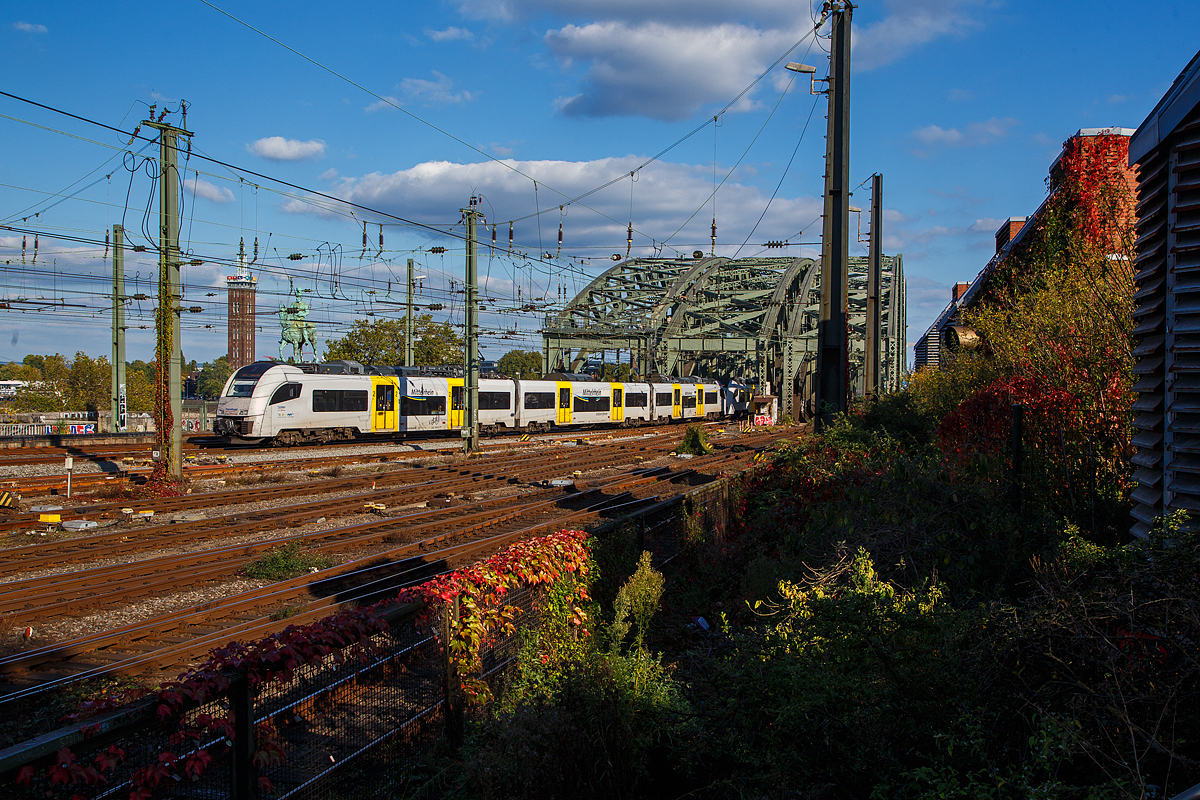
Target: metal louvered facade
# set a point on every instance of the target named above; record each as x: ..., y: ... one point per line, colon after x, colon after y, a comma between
x: 1167, y: 313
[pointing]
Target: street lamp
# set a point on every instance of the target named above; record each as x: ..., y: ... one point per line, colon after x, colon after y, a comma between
x: 805, y: 69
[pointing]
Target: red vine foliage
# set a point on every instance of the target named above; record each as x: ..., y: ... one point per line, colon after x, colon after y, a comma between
x: 479, y: 588
x: 1096, y: 184
x: 982, y: 425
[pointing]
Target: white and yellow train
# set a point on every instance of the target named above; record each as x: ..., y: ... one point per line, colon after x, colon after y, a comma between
x: 314, y: 403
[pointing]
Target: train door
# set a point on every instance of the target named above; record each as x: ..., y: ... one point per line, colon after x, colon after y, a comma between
x: 386, y: 391
x: 564, y: 403
x: 677, y: 406
x: 458, y: 403
x: 699, y: 401
x: 618, y: 402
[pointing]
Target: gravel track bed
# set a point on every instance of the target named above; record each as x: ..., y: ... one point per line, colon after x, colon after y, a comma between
x: 268, y: 454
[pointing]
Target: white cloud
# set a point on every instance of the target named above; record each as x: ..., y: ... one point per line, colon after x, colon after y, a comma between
x: 986, y: 225
x: 660, y: 70
x: 771, y: 12
x: 664, y: 195
x: 933, y: 134
x: 667, y: 59
x: 278, y: 148
x: 329, y: 174
x: 959, y: 96
x: 450, y: 34
x: 927, y: 295
x: 382, y: 105
x: 30, y: 27
x: 910, y: 24
x: 202, y: 188
x: 1117, y: 98
x: 976, y: 134
x: 435, y: 91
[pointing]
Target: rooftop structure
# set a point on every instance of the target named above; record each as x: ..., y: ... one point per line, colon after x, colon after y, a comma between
x: 928, y: 351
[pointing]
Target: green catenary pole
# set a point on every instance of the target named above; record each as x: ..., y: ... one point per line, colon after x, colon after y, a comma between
x: 119, y: 397
x: 170, y: 294
x: 408, y: 320
x: 471, y: 442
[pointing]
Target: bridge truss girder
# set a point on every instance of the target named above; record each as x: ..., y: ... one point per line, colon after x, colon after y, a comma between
x: 752, y: 319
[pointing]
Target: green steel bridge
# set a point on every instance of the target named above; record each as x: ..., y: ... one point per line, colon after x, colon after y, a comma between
x: 752, y: 319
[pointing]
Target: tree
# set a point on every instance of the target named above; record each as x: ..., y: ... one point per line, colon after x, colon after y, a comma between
x: 382, y: 342
x: 49, y: 393
x: 34, y: 361
x: 139, y: 391
x: 525, y: 364
x: 616, y: 372
x: 12, y: 371
x: 212, y: 377
x: 147, y: 368
x: 89, y: 383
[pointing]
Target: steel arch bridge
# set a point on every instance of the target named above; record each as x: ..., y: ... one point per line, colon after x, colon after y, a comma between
x: 752, y: 319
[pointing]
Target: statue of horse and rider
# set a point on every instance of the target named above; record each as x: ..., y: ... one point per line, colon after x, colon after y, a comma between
x: 296, y: 331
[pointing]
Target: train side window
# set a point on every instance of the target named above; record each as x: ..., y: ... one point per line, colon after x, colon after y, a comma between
x: 456, y: 398
x: 495, y: 401
x: 385, y: 400
x: 564, y: 398
x: 636, y: 400
x: 354, y: 401
x: 689, y: 401
x: 539, y: 400
x: 325, y: 400
x: 710, y: 398
x: 583, y: 404
x: 422, y: 406
x: 662, y: 398
x: 289, y: 391
x: 618, y: 398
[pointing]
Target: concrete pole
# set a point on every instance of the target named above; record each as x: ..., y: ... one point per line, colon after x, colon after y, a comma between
x: 471, y: 440
x: 408, y: 320
x: 119, y: 398
x: 873, y: 383
x: 832, y: 334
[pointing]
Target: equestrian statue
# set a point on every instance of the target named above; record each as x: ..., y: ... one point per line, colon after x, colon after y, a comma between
x: 296, y: 331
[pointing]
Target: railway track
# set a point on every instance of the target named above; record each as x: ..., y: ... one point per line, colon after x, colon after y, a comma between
x: 195, y: 445
x: 384, y: 554
x: 110, y: 510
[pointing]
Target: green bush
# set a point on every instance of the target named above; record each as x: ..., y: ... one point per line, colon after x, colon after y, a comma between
x: 695, y: 442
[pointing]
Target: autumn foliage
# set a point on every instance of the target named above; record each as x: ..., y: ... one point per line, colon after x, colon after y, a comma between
x: 479, y: 590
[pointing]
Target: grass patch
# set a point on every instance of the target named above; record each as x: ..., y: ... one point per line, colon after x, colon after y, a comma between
x: 257, y: 477
x: 695, y: 442
x: 286, y: 612
x: 286, y: 561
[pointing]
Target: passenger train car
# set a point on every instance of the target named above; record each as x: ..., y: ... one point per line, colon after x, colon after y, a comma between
x: 312, y: 403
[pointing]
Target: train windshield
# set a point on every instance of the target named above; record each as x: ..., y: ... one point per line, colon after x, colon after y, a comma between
x: 246, y: 378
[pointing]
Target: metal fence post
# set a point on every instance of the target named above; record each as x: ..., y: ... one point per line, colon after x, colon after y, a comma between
x: 241, y: 703
x: 453, y: 685
x: 1018, y: 453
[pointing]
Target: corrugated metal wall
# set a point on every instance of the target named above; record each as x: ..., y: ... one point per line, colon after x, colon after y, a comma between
x: 1167, y: 319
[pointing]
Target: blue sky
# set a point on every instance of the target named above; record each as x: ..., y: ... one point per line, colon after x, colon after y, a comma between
x: 961, y: 104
